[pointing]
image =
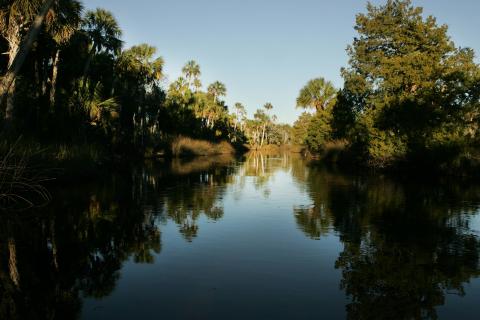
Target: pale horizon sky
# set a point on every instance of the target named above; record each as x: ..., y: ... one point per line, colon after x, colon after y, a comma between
x: 264, y: 50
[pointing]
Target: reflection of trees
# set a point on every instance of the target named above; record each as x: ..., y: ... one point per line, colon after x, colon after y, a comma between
x: 195, y: 188
x: 78, y: 247
x: 405, y: 246
x: 262, y: 166
x: 78, y: 244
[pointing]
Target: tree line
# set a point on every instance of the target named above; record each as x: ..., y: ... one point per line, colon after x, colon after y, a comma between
x: 67, y: 78
x: 410, y: 95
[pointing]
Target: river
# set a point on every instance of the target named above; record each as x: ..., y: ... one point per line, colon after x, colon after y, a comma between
x: 260, y: 237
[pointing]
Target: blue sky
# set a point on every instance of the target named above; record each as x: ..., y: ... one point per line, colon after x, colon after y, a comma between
x: 264, y: 50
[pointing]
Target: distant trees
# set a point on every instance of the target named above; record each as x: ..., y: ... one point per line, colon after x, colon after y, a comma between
x: 263, y: 129
x: 191, y: 70
x: 239, y: 116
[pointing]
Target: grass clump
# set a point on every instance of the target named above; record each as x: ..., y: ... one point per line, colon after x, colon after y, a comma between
x: 21, y: 184
x: 184, y: 146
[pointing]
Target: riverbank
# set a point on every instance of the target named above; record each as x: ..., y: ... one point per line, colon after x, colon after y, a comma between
x: 464, y: 164
x: 76, y: 162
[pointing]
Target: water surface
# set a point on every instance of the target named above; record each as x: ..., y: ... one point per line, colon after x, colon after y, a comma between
x: 262, y: 237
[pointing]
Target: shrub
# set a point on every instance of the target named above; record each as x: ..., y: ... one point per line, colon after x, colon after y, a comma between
x: 319, y: 131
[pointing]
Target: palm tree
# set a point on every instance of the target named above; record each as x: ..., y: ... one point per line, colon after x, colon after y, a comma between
x: 191, y: 70
x: 139, y: 72
x: 240, y: 114
x: 15, y: 16
x: 268, y: 106
x: 262, y: 118
x: 318, y: 94
x: 217, y: 89
x: 197, y: 84
x: 103, y: 33
x: 66, y: 17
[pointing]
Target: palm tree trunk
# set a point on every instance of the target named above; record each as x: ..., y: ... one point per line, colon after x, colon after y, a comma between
x: 8, y: 81
x: 263, y: 135
x: 53, y: 87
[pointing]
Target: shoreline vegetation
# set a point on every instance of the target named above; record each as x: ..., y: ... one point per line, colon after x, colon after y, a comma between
x: 74, y: 100
x: 410, y: 101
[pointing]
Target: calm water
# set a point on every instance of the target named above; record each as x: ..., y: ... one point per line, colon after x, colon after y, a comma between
x: 264, y: 237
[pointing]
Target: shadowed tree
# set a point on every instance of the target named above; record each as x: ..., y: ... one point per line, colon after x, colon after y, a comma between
x: 16, y: 16
x: 139, y: 72
x: 63, y: 20
x: 103, y: 34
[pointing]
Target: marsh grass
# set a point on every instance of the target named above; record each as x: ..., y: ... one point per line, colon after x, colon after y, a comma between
x: 184, y: 146
x: 21, y: 183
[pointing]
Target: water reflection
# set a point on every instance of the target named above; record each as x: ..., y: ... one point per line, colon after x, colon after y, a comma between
x: 404, y: 247
x: 53, y: 257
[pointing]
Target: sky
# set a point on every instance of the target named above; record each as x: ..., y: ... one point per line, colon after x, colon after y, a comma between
x: 265, y: 50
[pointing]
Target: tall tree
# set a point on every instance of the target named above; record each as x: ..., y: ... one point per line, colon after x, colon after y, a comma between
x: 139, y: 72
x: 65, y: 18
x: 408, y: 86
x: 103, y: 33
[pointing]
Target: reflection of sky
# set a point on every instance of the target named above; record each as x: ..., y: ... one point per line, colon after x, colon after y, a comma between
x: 475, y: 223
x: 254, y: 262
x: 254, y: 256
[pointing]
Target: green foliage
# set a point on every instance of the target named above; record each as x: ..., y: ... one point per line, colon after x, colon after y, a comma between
x: 101, y: 28
x: 405, y: 82
x: 409, y: 94
x: 319, y: 130
x: 300, y: 128
x: 318, y: 94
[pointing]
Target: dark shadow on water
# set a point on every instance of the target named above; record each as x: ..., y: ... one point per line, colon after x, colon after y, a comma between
x: 405, y: 245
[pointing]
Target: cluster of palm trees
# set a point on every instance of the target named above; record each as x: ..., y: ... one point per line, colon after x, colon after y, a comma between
x: 65, y: 75
x: 186, y: 94
x: 61, y: 64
